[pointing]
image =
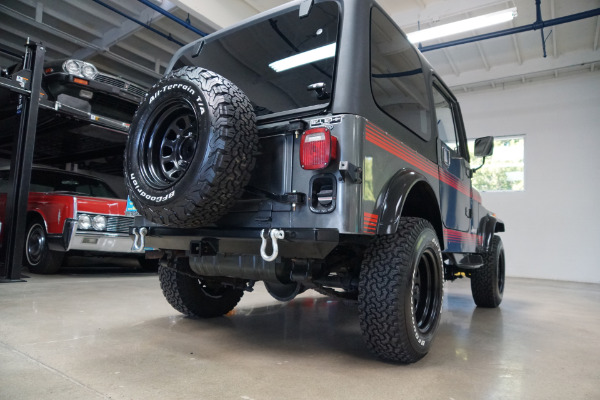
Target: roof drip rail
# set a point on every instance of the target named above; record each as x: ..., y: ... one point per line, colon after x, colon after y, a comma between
x: 305, y: 7
x: 137, y: 21
x: 173, y: 17
x: 538, y: 24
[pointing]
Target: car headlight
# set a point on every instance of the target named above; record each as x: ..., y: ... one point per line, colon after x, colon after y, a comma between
x: 72, y: 67
x: 84, y: 221
x: 99, y: 222
x: 80, y: 68
x: 88, y: 71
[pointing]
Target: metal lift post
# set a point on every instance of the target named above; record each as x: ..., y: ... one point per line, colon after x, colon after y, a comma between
x: 20, y: 165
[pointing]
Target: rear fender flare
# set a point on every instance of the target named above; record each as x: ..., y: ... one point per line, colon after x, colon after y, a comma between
x: 392, y: 199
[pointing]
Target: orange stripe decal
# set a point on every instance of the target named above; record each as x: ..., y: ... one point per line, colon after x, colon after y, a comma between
x: 370, y: 222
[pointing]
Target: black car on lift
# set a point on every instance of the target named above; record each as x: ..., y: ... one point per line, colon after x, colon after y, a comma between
x: 80, y: 85
x: 313, y: 147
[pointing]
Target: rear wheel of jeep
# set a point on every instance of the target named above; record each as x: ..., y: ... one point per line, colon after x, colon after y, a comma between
x: 190, y: 149
x: 401, y: 291
x: 487, y: 282
x: 200, y: 298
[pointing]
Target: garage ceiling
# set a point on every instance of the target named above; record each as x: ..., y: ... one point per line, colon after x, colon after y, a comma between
x: 98, y: 31
x: 90, y: 31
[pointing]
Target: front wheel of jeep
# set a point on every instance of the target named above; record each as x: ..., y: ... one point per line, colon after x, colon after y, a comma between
x: 196, y: 297
x: 487, y: 282
x: 401, y: 292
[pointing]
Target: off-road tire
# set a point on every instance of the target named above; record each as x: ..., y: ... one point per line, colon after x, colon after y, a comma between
x: 190, y: 149
x: 196, y: 297
x: 37, y: 255
x: 401, y: 292
x: 487, y: 282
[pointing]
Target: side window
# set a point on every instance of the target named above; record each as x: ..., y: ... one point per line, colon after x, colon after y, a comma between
x: 397, y: 79
x: 444, y: 117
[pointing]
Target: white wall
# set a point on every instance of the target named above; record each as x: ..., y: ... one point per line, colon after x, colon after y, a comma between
x: 553, y: 227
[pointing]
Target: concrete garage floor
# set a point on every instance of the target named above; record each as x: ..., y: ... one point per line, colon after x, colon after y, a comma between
x: 109, y: 334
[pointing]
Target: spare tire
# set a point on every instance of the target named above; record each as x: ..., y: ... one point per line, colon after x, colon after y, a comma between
x: 190, y: 149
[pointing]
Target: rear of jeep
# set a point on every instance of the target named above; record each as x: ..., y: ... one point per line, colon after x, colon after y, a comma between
x: 304, y: 148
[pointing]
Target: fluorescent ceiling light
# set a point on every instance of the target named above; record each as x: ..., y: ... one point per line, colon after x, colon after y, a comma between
x: 320, y: 53
x: 463, y: 26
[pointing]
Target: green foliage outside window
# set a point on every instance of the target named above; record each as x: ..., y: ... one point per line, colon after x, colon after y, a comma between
x: 505, y: 169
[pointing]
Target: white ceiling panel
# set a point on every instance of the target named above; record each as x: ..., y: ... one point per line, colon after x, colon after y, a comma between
x: 87, y: 30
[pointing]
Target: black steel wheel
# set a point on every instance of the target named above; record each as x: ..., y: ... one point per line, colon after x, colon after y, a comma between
x: 487, y: 282
x: 38, y: 257
x: 168, y: 148
x: 195, y: 297
x: 190, y: 149
x: 401, y: 292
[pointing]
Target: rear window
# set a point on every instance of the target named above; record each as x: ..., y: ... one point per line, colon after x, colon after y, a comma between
x: 275, y: 60
x: 397, y: 79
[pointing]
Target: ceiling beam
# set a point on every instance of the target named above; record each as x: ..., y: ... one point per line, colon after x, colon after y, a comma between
x: 597, y: 37
x: 480, y: 49
x: 75, y: 40
x: 126, y: 29
x: 554, y: 30
x: 40, y: 10
x: 451, y: 62
x: 136, y: 51
x: 483, y: 57
x: 508, y: 71
x: 217, y: 13
x: 107, y: 17
x: 514, y: 38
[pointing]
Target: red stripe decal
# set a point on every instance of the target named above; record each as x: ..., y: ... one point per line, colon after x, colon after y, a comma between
x: 370, y: 222
x: 453, y: 236
x: 395, y: 147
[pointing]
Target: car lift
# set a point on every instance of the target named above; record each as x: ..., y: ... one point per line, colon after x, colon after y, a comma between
x: 21, y: 161
x: 27, y: 82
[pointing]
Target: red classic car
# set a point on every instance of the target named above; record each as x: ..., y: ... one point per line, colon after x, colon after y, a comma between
x: 70, y: 212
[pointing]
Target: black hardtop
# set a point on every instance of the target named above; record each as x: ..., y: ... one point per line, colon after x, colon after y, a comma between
x: 352, y: 91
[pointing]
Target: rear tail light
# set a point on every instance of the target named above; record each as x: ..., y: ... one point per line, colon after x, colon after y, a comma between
x: 317, y: 148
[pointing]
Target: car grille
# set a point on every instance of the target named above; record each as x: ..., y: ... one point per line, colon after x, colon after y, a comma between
x: 120, y: 83
x: 118, y: 224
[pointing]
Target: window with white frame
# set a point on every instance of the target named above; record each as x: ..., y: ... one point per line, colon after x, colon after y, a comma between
x: 504, y: 171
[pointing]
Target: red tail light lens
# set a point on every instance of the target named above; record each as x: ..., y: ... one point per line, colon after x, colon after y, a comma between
x: 317, y: 148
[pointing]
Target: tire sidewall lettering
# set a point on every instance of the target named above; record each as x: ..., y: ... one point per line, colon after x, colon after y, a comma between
x: 137, y: 189
x: 181, y: 86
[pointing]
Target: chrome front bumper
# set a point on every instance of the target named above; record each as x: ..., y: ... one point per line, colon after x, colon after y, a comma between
x: 109, y: 242
x: 103, y: 242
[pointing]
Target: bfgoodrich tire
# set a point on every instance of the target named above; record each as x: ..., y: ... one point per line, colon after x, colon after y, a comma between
x: 196, y: 297
x: 190, y: 148
x: 401, y: 292
x: 487, y: 282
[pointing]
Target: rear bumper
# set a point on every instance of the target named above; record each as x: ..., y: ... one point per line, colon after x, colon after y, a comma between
x: 298, y: 243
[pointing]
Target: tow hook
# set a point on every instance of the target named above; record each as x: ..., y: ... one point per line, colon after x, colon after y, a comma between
x: 275, y: 235
x: 139, y: 243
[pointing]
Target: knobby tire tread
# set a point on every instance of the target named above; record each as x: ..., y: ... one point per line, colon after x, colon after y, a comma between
x: 484, y: 280
x: 185, y: 295
x: 381, y: 313
x: 230, y: 155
